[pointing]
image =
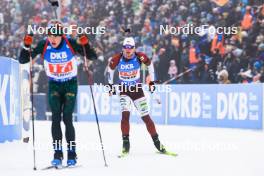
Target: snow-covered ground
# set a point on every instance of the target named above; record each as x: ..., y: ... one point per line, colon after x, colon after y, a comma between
x: 201, y: 151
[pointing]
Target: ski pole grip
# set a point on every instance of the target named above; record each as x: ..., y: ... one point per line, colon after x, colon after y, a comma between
x: 54, y: 3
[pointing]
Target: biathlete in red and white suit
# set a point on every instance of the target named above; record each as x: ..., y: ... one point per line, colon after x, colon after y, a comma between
x: 128, y: 64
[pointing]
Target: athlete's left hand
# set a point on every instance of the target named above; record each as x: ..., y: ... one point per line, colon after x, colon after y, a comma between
x: 152, y: 87
x: 83, y: 40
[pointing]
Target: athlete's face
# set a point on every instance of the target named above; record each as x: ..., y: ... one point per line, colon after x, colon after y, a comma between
x: 128, y: 51
x: 54, y: 40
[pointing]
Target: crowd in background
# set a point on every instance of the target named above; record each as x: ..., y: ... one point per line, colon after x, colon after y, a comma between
x: 204, y: 57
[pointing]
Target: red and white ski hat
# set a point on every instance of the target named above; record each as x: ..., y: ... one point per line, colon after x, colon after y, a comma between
x: 129, y: 42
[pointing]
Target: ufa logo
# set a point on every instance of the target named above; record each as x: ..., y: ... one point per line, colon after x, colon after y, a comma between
x: 60, y: 55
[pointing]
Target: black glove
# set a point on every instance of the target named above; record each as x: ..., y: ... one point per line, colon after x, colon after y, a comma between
x: 54, y: 3
x: 112, y: 90
x: 152, y: 87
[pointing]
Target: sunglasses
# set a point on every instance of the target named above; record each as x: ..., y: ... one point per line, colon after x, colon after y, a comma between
x: 128, y: 47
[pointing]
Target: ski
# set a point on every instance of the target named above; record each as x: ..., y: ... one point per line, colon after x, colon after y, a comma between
x: 60, y: 167
x: 51, y: 167
x: 123, y: 155
x: 168, y: 153
x: 71, y: 167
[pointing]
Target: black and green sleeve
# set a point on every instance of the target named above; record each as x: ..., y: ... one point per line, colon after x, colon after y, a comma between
x: 25, y: 54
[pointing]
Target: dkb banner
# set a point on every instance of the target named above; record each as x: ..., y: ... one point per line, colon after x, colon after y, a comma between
x: 10, y: 122
x: 108, y: 107
x: 234, y: 105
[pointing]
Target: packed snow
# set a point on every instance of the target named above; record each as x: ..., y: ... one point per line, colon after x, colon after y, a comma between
x: 201, y: 151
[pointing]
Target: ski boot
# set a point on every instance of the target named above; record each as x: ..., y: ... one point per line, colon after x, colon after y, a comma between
x: 158, y: 145
x: 58, y: 157
x: 72, y: 158
x: 126, y: 144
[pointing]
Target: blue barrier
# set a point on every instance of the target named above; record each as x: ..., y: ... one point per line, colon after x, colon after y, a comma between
x: 108, y: 108
x: 10, y: 121
x: 234, y: 106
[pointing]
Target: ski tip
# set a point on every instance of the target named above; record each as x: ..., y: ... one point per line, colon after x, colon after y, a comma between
x: 173, y: 154
x: 48, y: 167
x: 169, y: 153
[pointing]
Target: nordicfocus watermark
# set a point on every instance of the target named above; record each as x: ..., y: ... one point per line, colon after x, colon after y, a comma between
x: 161, y: 88
x: 33, y: 29
x: 82, y: 146
x: 190, y: 29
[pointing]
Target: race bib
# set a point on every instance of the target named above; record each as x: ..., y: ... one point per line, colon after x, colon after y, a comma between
x: 61, y: 71
x: 129, y: 71
x: 60, y: 64
x: 131, y: 75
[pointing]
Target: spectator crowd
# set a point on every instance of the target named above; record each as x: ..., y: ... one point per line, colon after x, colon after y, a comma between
x: 205, y: 57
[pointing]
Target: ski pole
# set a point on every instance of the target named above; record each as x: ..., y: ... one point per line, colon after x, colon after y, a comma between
x: 95, y: 111
x: 32, y: 108
x: 55, y: 5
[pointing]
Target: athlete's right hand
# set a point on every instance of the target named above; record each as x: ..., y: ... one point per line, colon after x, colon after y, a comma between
x: 112, y: 90
x: 28, y: 40
x: 152, y: 87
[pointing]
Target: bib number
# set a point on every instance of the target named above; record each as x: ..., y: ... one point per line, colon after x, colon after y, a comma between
x: 60, y: 68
